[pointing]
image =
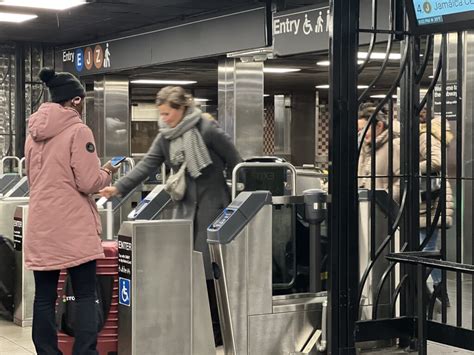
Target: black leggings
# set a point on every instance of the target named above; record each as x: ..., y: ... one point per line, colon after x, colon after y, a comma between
x: 45, y: 336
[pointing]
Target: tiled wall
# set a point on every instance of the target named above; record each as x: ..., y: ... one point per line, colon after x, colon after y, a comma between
x: 7, y: 99
x: 269, y: 127
x: 36, y: 56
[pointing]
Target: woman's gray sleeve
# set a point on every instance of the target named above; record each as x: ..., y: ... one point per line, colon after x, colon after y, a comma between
x: 223, y: 146
x: 149, y: 164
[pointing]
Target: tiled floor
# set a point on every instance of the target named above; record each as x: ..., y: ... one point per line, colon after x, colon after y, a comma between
x: 15, y: 340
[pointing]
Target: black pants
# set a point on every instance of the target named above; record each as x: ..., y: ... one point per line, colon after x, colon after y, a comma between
x: 45, y: 337
x: 216, y: 327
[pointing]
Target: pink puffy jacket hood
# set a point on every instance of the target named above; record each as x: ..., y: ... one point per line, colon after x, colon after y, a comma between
x: 50, y: 120
x: 63, y: 228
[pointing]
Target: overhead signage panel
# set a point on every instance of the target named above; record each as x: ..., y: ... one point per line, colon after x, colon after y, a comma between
x: 203, y: 38
x: 306, y: 30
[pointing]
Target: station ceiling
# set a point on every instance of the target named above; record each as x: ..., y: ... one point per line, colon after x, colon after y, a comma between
x: 104, y: 18
x: 101, y: 19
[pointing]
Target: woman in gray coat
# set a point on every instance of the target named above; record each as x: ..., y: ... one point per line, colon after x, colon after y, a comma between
x: 206, y: 150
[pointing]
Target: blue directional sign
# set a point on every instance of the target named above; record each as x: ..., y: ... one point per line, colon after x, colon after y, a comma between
x: 79, y: 59
x: 124, y: 292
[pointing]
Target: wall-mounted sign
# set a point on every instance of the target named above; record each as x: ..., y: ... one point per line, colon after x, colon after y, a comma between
x: 438, y: 16
x: 306, y: 29
x: 451, y: 100
x: 296, y: 32
x: 201, y: 38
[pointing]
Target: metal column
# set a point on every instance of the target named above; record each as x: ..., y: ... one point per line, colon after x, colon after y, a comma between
x: 240, y: 102
x: 20, y: 119
x: 111, y: 121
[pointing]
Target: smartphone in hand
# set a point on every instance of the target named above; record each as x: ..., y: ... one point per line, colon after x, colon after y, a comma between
x: 116, y: 161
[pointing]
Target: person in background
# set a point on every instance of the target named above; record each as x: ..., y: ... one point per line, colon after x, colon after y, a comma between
x: 381, y: 151
x: 440, y: 292
x: 63, y: 226
x: 187, y: 138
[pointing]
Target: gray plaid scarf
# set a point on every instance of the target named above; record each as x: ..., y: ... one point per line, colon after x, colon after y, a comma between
x: 187, y: 143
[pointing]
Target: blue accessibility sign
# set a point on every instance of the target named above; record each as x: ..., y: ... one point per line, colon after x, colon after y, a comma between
x: 124, y: 292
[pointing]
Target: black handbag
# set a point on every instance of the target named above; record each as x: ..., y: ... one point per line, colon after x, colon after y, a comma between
x: 65, y: 312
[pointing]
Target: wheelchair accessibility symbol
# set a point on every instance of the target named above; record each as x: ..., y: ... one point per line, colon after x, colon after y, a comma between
x: 124, y: 292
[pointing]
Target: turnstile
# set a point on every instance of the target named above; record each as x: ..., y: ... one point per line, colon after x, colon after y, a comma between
x: 8, y: 180
x: 163, y: 301
x: 113, y: 211
x: 156, y: 205
x: 7, y: 211
x: 24, y: 280
x: 253, y: 320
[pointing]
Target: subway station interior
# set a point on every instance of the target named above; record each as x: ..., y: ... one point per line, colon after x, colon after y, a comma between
x: 347, y: 226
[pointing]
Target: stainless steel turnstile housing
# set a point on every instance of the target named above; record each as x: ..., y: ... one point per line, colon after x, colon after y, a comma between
x: 253, y: 321
x: 164, y: 307
x: 24, y: 280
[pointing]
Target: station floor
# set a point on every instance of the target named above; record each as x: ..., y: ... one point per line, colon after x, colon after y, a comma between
x: 15, y: 340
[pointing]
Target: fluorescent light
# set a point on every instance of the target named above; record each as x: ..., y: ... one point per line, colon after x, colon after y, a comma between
x: 379, y: 55
x: 326, y: 63
x: 326, y: 86
x: 15, y: 18
x: 280, y: 70
x: 197, y: 99
x: 382, y: 96
x: 431, y: 77
x: 44, y: 4
x: 163, y: 82
x: 266, y: 95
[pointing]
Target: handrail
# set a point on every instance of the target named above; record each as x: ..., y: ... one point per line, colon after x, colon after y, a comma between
x: 6, y: 158
x: 421, y: 258
x: 262, y: 165
x: 22, y: 163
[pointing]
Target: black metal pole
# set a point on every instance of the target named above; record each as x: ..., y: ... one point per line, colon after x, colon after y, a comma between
x: 343, y: 209
x: 421, y: 312
x: 20, y: 119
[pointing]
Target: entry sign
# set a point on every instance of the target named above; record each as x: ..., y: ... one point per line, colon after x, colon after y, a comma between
x: 124, y: 292
x: 301, y: 32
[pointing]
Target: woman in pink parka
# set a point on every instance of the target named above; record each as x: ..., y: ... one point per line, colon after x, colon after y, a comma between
x: 63, y: 229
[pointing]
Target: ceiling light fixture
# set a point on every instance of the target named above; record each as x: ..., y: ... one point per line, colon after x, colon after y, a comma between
x: 280, y: 70
x: 326, y: 63
x: 379, y: 55
x: 44, y: 4
x: 197, y: 99
x: 163, y: 82
x: 326, y: 86
x: 382, y: 96
x: 266, y: 95
x: 15, y: 18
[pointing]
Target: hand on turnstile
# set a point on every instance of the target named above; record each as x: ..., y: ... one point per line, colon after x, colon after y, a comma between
x: 109, y: 191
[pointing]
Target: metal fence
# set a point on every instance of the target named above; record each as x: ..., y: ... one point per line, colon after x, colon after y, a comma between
x: 430, y: 188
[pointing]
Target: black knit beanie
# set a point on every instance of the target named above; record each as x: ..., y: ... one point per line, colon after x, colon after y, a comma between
x: 62, y: 86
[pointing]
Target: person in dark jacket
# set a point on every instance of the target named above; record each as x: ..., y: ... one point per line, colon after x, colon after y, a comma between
x: 186, y: 137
